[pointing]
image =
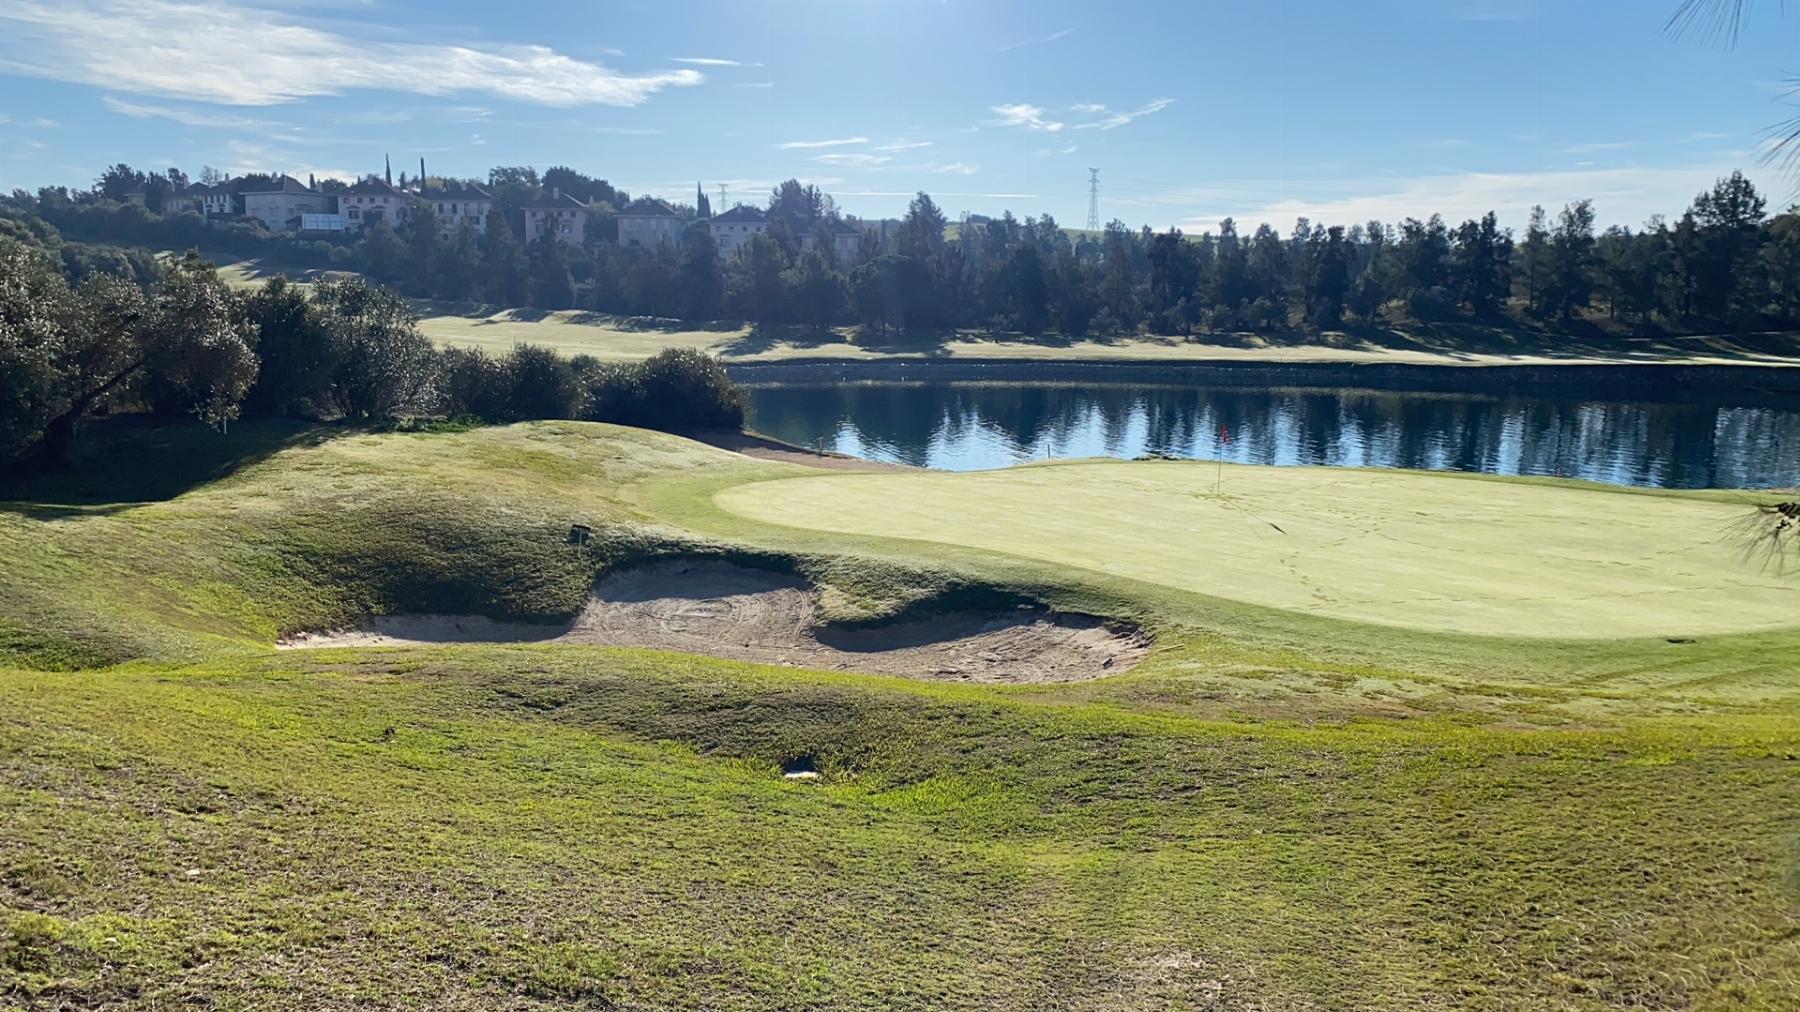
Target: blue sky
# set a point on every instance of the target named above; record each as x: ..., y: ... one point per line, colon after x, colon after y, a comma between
x: 1192, y: 110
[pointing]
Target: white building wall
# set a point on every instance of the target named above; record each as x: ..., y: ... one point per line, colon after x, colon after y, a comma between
x: 648, y: 231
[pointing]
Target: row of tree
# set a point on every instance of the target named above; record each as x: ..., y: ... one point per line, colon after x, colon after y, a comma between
x: 1724, y: 263
x: 189, y: 344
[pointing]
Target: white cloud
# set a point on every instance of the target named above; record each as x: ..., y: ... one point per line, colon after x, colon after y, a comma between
x: 858, y: 160
x: 1048, y: 152
x: 1087, y: 108
x: 1119, y: 119
x: 248, y: 156
x: 1624, y: 196
x: 935, y: 193
x: 711, y: 61
x: 207, y: 50
x: 1031, y: 117
x: 754, y: 84
x: 903, y: 145
x: 1599, y: 146
x: 958, y: 169
x: 48, y: 124
x: 4, y: 119
x: 807, y: 145
x: 187, y: 117
x: 1042, y: 40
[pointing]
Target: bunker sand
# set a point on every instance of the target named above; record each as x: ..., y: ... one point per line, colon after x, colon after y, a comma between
x: 735, y: 612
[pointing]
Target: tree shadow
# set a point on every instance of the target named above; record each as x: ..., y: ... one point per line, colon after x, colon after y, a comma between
x: 764, y: 337
x: 124, y: 462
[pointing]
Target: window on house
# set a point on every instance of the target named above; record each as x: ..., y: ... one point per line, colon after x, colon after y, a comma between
x: 566, y: 228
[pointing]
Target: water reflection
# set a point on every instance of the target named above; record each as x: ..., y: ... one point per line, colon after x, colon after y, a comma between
x: 1697, y: 443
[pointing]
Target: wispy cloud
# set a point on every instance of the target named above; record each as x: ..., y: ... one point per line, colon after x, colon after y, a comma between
x: 1087, y: 108
x: 249, y: 156
x: 809, y: 145
x: 856, y: 160
x: 186, y: 117
x: 1040, y: 41
x: 935, y: 193
x: 1594, y: 148
x: 903, y: 145
x: 711, y: 61
x: 754, y: 84
x: 1049, y: 152
x: 233, y: 54
x: 1113, y: 121
x: 1030, y: 117
x: 958, y: 169
x: 1621, y: 196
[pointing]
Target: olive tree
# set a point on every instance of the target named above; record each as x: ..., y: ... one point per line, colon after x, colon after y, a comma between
x: 66, y: 352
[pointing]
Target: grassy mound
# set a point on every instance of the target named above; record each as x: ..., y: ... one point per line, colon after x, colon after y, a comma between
x: 1277, y: 809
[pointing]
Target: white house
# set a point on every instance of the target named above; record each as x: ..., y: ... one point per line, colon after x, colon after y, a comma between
x: 846, y: 240
x: 280, y: 206
x: 730, y: 230
x: 372, y: 199
x: 648, y: 222
x: 218, y: 199
x: 558, y: 214
x: 458, y: 203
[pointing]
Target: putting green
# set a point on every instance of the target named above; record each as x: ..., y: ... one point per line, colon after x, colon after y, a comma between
x: 1393, y: 548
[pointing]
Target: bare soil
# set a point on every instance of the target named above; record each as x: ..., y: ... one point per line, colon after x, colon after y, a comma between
x: 725, y: 610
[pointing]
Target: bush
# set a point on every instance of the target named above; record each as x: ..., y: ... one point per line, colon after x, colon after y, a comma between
x: 471, y: 384
x: 676, y: 390
x: 540, y: 385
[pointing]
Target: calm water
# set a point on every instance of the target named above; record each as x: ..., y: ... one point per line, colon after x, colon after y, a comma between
x: 1706, y: 442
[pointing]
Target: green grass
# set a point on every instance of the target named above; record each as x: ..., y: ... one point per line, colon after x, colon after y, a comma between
x: 1279, y: 809
x: 1365, y: 545
x: 619, y: 338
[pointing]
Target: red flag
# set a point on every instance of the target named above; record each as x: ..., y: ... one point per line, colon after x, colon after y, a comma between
x: 1224, y: 435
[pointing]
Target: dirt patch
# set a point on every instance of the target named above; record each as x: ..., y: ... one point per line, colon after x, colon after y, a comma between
x: 725, y: 610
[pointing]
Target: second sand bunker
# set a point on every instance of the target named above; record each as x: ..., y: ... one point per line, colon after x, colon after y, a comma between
x: 725, y: 610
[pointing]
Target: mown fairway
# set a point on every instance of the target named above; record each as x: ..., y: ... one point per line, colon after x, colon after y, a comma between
x: 1280, y: 808
x: 1396, y: 548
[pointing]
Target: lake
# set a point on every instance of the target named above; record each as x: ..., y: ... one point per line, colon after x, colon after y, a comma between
x: 1711, y: 440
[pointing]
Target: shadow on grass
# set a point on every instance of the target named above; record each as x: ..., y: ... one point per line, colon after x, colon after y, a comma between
x: 127, y: 461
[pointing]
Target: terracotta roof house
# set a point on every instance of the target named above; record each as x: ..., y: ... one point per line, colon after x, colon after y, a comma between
x: 281, y: 205
x: 558, y: 214
x: 736, y: 227
x: 372, y: 199
x: 457, y: 203
x: 648, y: 222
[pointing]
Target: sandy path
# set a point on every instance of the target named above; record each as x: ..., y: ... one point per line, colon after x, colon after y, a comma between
x: 723, y: 610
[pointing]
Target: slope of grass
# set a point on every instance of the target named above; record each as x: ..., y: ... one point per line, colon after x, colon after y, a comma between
x: 1277, y: 810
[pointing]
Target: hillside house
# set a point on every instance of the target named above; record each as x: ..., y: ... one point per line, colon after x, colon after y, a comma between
x: 218, y: 200
x: 558, y: 214
x: 845, y: 240
x: 372, y: 199
x: 648, y: 223
x: 733, y: 229
x: 459, y: 203
x: 281, y: 206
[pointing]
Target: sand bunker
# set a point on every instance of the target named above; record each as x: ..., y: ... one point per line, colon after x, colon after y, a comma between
x: 725, y: 610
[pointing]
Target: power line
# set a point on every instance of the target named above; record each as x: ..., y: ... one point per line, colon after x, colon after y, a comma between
x: 1093, y: 222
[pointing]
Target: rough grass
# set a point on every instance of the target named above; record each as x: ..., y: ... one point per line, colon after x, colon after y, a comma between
x: 1277, y: 810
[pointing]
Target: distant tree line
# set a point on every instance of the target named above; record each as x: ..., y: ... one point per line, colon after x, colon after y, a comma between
x: 1724, y: 263
x: 188, y: 344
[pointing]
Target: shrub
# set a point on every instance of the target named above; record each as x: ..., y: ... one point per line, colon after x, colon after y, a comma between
x: 540, y: 385
x: 676, y: 390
